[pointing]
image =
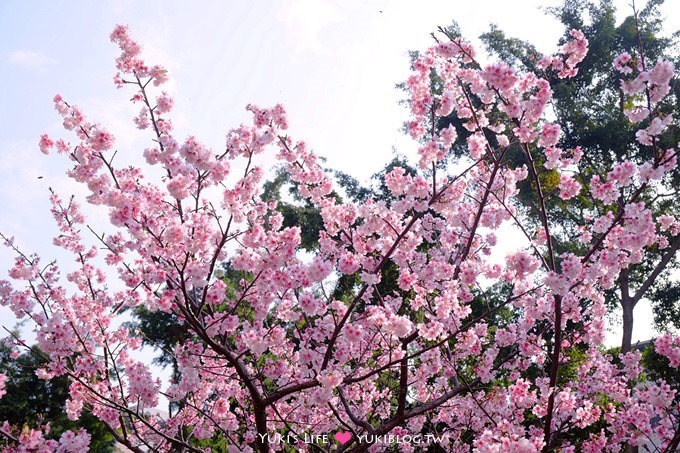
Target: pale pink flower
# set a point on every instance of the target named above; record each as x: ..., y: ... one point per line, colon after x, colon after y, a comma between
x: 569, y: 187
x: 623, y: 63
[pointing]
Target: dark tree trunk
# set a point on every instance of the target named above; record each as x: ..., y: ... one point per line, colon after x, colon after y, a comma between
x: 628, y: 305
x: 628, y: 300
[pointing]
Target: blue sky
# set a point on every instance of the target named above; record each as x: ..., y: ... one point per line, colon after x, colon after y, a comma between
x: 333, y: 64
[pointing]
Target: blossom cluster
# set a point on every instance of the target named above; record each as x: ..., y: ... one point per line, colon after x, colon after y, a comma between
x: 33, y: 440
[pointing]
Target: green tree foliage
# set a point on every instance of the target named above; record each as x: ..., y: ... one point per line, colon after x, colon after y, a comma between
x: 658, y: 367
x: 30, y: 401
x: 294, y: 210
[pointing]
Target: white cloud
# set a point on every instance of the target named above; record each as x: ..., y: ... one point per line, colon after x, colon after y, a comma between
x: 306, y: 19
x: 29, y: 59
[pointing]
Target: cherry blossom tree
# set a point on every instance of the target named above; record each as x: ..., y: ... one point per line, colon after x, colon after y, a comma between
x: 278, y: 363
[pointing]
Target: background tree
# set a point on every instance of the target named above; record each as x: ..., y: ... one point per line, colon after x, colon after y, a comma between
x: 30, y: 400
x: 590, y: 107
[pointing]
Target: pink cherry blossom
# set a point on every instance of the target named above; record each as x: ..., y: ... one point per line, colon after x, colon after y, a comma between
x: 569, y: 187
x: 3, y: 381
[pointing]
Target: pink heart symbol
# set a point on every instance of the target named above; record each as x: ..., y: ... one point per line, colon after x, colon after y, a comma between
x: 342, y: 437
